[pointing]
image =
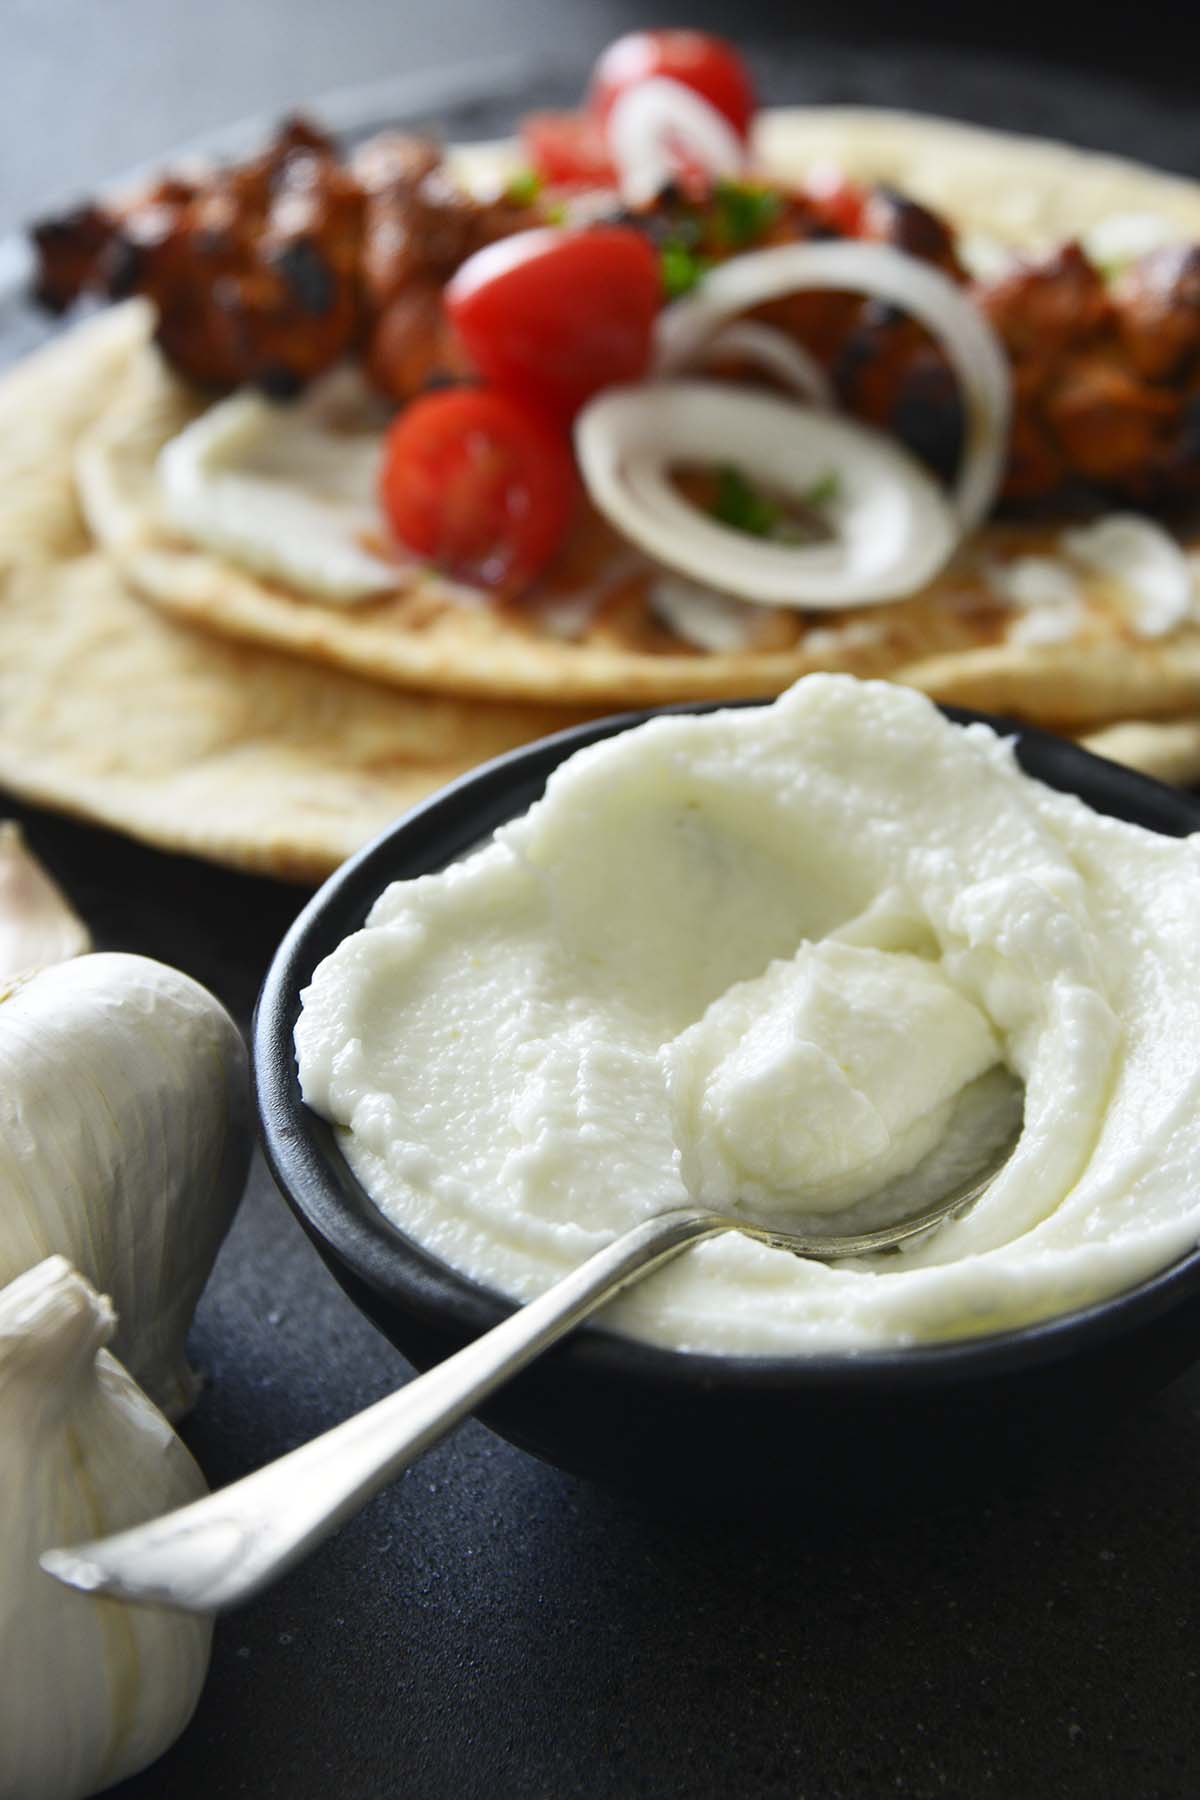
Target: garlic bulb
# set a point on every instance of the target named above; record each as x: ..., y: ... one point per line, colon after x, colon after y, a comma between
x: 37, y: 925
x: 93, y: 1690
x: 124, y: 1144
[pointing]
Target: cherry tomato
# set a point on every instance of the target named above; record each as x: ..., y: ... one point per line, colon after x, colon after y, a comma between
x: 708, y: 65
x: 479, y: 483
x: 567, y: 150
x: 557, y: 315
x: 843, y: 203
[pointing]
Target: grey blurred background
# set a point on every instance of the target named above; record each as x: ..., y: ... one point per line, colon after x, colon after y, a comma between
x: 89, y: 88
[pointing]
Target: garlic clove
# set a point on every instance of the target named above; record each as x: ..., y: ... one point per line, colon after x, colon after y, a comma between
x: 92, y: 1690
x: 124, y: 1144
x: 37, y: 923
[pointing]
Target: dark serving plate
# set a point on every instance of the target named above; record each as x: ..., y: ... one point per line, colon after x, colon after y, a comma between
x: 736, y: 1431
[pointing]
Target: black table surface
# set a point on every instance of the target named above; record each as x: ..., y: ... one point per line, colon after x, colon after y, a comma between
x: 491, y: 1627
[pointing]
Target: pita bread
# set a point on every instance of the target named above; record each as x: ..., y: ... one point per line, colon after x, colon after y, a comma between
x: 110, y: 710
x: 950, y: 640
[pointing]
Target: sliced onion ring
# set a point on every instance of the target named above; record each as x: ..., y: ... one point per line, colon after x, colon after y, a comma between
x: 971, y: 346
x: 656, y: 121
x: 894, y: 529
x: 775, y: 353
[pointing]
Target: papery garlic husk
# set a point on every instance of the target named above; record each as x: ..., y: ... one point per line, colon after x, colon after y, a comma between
x: 38, y: 925
x: 124, y: 1144
x: 92, y: 1690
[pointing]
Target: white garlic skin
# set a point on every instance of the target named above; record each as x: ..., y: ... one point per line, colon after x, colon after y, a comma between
x: 38, y: 925
x: 125, y: 1140
x: 92, y: 1690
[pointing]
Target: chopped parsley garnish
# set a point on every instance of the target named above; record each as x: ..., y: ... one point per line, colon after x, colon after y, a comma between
x: 824, y: 491
x: 744, y: 507
x: 742, y: 213
x: 523, y: 187
x: 681, y: 269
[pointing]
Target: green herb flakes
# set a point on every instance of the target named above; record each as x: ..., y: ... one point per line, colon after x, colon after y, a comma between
x: 825, y: 491
x: 743, y: 214
x: 523, y: 187
x: 741, y: 506
x: 682, y: 269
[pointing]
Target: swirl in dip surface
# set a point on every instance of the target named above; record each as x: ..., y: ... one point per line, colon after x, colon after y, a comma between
x: 755, y: 956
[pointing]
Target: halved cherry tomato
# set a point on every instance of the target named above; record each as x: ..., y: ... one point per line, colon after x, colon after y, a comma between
x: 479, y: 483
x: 557, y: 315
x: 708, y: 65
x: 567, y: 150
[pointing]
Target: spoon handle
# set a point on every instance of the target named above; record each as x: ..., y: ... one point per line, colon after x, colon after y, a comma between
x: 226, y: 1547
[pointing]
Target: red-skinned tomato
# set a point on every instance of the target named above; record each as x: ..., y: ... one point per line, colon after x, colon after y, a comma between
x: 567, y: 150
x: 480, y: 483
x: 708, y: 65
x: 843, y: 203
x: 557, y: 315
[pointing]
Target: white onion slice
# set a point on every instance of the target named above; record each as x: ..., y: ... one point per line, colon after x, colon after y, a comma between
x: 893, y: 528
x: 657, y: 124
x: 775, y: 353
x: 971, y: 346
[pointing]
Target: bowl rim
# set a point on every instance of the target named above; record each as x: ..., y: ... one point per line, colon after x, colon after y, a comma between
x: 356, y: 1237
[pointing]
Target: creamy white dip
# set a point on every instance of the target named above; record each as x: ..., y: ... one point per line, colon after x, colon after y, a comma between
x: 753, y: 957
x: 288, y: 492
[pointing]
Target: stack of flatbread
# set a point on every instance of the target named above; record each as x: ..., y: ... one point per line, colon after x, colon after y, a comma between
x: 149, y: 685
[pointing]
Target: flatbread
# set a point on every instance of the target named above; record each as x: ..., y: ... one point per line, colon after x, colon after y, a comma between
x: 949, y: 641
x: 1027, y: 192
x: 111, y: 710
x: 1167, y: 749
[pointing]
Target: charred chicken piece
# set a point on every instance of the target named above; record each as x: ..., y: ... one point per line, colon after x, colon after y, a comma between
x: 69, y: 252
x: 1044, y: 308
x: 411, y: 345
x: 1158, y: 303
x: 888, y: 370
x: 418, y: 224
x: 418, y: 227
x: 253, y: 270
x: 1044, y: 312
x: 1093, y: 403
x: 890, y: 217
x: 1179, y: 470
x: 1111, y: 427
x: 269, y: 271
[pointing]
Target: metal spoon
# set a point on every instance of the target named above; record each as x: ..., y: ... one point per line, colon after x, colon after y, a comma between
x: 226, y: 1547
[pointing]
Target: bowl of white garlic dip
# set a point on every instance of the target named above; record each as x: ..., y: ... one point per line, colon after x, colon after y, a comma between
x: 753, y: 956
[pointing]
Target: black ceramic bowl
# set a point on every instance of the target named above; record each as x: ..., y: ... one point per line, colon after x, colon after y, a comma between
x: 730, y: 1429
